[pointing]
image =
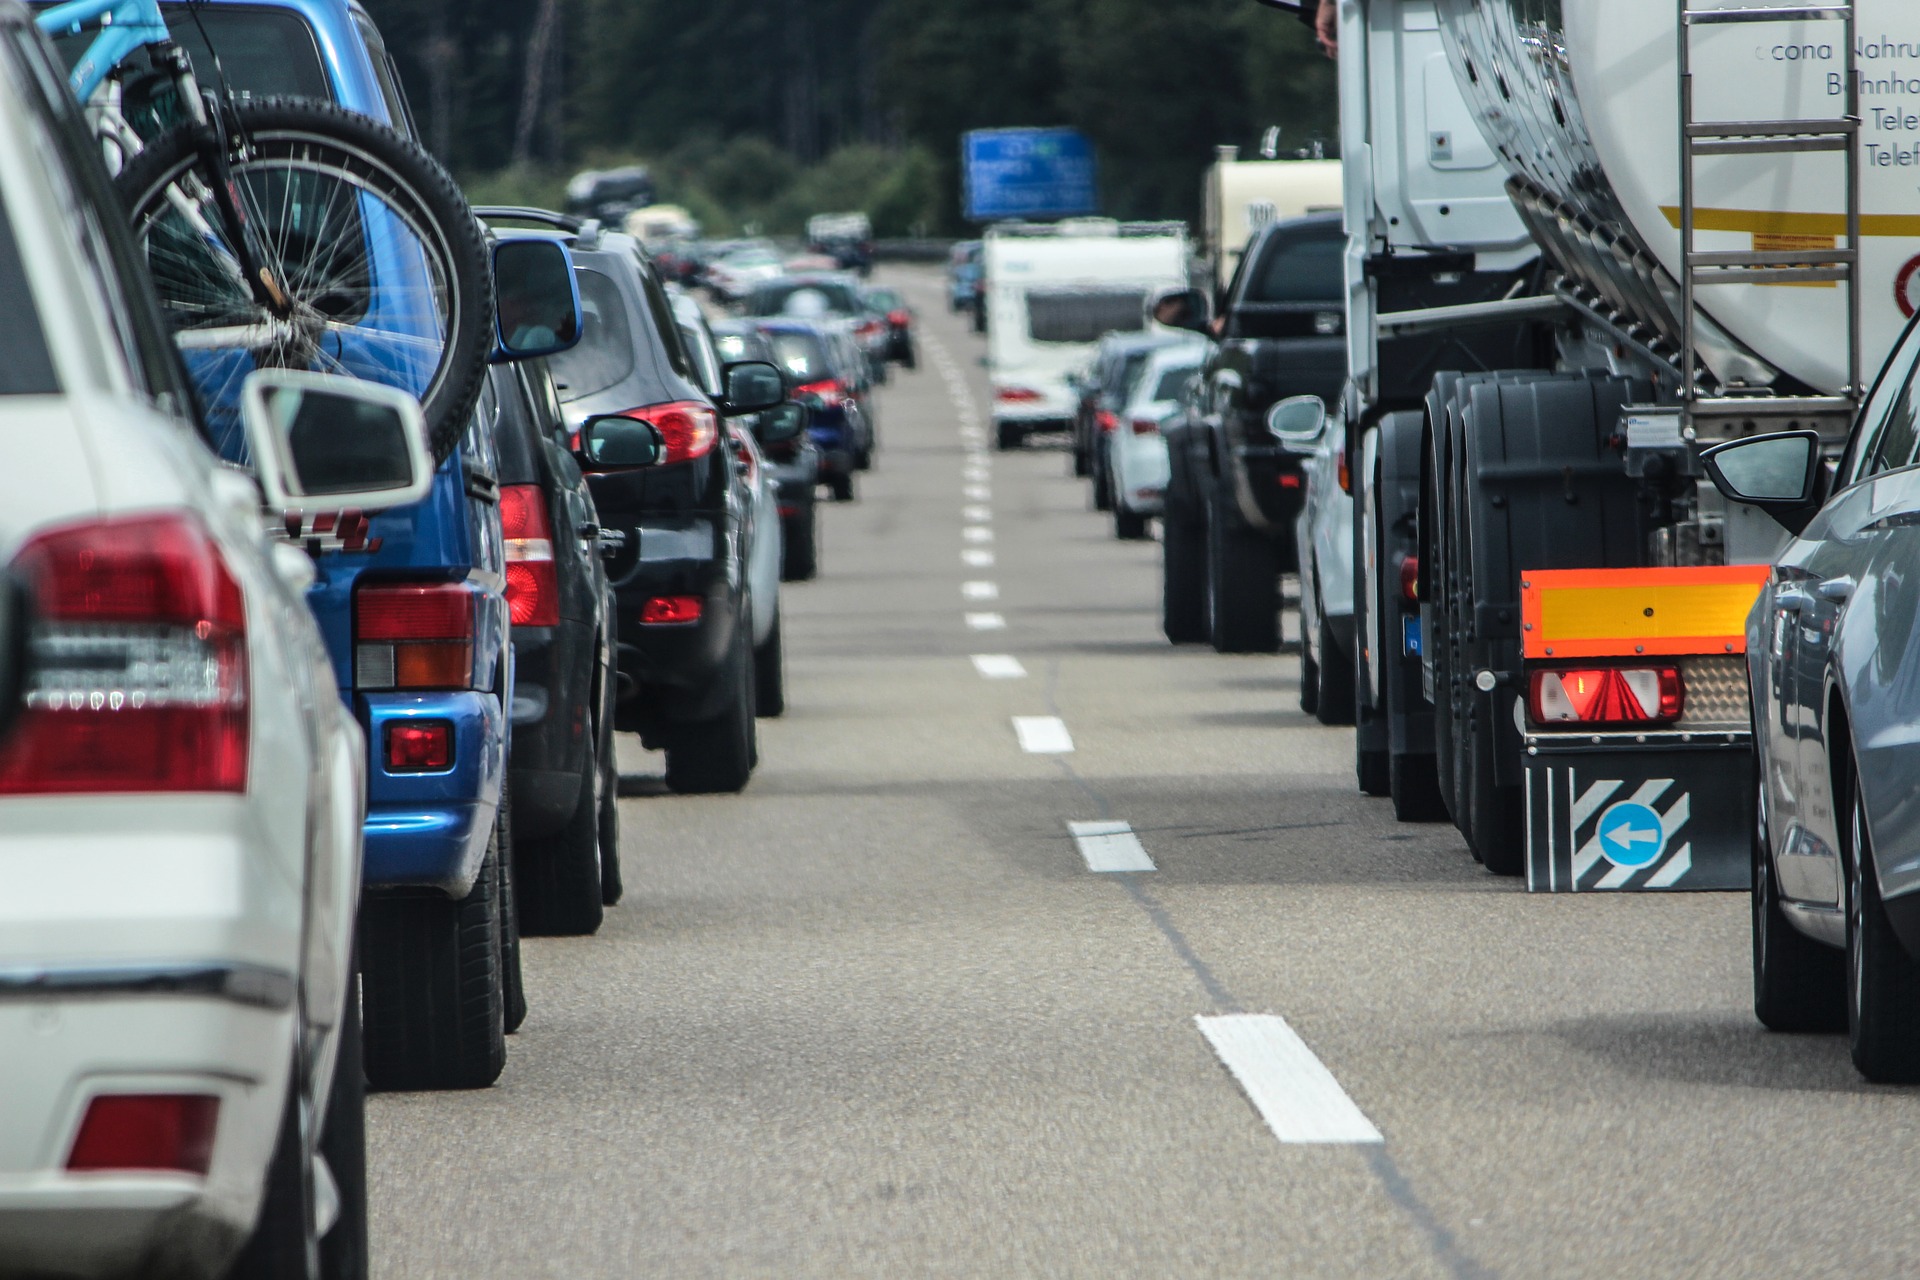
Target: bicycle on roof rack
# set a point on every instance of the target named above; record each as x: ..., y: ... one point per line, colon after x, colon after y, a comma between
x: 284, y: 233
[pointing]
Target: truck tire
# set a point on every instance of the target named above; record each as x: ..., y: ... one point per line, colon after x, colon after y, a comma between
x: 1496, y: 813
x: 770, y: 675
x: 1406, y: 770
x: 1183, y: 573
x: 1333, y: 704
x: 1007, y: 436
x: 1798, y: 984
x: 559, y: 876
x: 1883, y: 980
x: 431, y: 989
x: 1243, y: 584
x: 715, y: 756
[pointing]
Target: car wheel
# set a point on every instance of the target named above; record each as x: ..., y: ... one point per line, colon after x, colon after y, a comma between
x: 513, y: 995
x: 1082, y: 461
x: 1798, y: 984
x: 800, y: 556
x: 431, y: 987
x: 1183, y: 575
x: 1102, y: 480
x: 841, y: 487
x: 1334, y: 704
x: 611, y: 889
x: 343, y: 1144
x: 1883, y: 981
x: 1243, y: 584
x: 1309, y: 681
x: 560, y: 876
x: 1128, y: 526
x: 1007, y: 435
x: 770, y: 675
x: 911, y: 360
x: 285, y: 1241
x: 863, y: 458
x: 715, y: 755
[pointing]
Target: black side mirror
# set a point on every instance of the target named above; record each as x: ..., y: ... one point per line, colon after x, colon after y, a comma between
x: 783, y: 422
x: 1778, y: 473
x: 1188, y: 309
x: 752, y: 386
x: 613, y: 442
x: 536, y: 301
x: 15, y: 605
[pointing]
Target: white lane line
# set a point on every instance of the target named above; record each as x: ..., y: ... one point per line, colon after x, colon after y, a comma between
x: 977, y: 533
x: 999, y: 666
x: 976, y: 493
x: 1291, y: 1089
x: 976, y: 514
x: 980, y: 590
x: 986, y: 622
x: 1110, y: 846
x: 975, y: 558
x: 1043, y: 735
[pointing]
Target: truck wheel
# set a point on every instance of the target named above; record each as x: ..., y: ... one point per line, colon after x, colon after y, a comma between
x: 1243, y: 585
x: 431, y: 987
x: 1495, y: 813
x: 560, y: 876
x: 1883, y: 981
x: 1334, y: 704
x: 1183, y: 575
x: 1798, y: 984
x: 1434, y: 619
x: 1414, y: 784
x: 715, y: 756
x: 1007, y: 435
x: 770, y: 675
x: 1372, y: 770
x: 800, y: 554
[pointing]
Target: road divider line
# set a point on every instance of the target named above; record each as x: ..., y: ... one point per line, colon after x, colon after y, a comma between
x: 1110, y: 846
x: 980, y: 590
x: 976, y: 493
x: 1043, y: 735
x: 1291, y: 1088
x: 976, y: 514
x: 986, y: 622
x: 975, y: 558
x: 999, y: 666
x: 977, y: 533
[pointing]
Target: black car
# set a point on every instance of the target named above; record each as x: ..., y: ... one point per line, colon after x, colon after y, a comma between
x: 610, y: 194
x: 795, y: 463
x: 566, y: 825
x: 826, y: 366
x: 888, y: 305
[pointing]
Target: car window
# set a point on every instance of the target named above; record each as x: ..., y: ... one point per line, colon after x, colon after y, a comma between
x: 801, y: 355
x: 1173, y: 381
x: 514, y: 431
x: 1131, y: 372
x: 1300, y: 270
x: 1885, y: 436
x: 264, y: 53
x: 772, y: 299
x: 1080, y: 315
x: 398, y: 113
x: 605, y: 353
x: 705, y: 359
x: 663, y: 322
x: 28, y: 368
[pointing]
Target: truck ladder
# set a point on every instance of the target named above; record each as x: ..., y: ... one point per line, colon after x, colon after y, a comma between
x: 1768, y: 137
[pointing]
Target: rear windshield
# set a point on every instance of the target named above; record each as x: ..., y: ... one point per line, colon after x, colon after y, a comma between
x: 884, y: 300
x: 1173, y: 382
x: 802, y: 355
x: 1083, y: 315
x: 265, y: 53
x: 739, y: 346
x: 1300, y: 271
x: 27, y: 369
x: 1131, y: 367
x: 605, y: 353
x: 773, y: 299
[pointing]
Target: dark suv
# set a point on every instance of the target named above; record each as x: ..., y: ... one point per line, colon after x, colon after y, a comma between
x: 823, y: 364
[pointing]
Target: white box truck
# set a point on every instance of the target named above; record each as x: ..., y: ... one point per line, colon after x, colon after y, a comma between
x: 1052, y: 290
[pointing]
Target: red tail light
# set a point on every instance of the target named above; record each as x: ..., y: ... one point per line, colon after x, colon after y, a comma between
x: 419, y: 746
x: 1595, y: 696
x: 688, y: 428
x: 139, y: 680
x: 899, y: 319
x: 1105, y: 420
x: 671, y: 610
x: 413, y: 636
x: 147, y: 1132
x: 1410, y: 578
x: 1016, y: 395
x: 831, y: 391
x: 1145, y: 427
x: 533, y: 580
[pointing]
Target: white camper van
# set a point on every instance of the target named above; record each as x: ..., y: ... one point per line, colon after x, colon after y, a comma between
x: 1051, y: 291
x: 1242, y: 196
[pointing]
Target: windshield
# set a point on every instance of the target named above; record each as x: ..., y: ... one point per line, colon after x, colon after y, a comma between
x: 1083, y: 315
x: 265, y: 53
x: 801, y: 355
x: 832, y: 296
x: 1300, y: 271
x: 605, y: 353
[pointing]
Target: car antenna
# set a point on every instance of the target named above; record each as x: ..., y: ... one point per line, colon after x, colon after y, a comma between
x: 1270, y: 143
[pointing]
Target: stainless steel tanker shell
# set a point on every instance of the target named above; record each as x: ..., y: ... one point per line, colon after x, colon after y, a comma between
x: 1580, y: 98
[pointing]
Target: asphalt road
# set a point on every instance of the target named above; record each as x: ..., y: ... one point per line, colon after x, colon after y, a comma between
x: 877, y: 1017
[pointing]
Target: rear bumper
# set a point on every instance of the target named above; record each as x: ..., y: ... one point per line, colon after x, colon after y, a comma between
x: 666, y: 672
x: 430, y: 830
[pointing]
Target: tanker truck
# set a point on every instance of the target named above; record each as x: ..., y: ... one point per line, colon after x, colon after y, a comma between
x: 1587, y: 240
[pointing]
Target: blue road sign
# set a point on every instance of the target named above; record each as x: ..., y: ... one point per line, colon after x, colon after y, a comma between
x: 1027, y: 173
x: 1631, y: 834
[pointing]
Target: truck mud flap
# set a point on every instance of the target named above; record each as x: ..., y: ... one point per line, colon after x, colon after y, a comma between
x: 1634, y: 819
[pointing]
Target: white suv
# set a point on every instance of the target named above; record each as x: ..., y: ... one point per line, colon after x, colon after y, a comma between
x: 181, y: 797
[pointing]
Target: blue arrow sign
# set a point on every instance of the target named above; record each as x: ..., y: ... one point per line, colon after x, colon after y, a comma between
x: 1631, y: 834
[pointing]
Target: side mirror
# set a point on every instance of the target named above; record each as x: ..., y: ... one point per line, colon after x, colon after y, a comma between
x: 1188, y: 309
x: 751, y: 387
x: 1297, y: 423
x: 613, y: 442
x: 536, y: 301
x: 1777, y: 473
x: 321, y: 442
x: 783, y: 422
x: 14, y: 625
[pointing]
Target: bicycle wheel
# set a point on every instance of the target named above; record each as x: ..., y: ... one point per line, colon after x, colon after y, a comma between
x: 378, y: 268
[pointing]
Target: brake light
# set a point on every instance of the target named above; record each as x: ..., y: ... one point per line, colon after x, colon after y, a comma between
x: 1289, y: 480
x: 1593, y: 696
x: 1016, y: 395
x: 419, y: 746
x: 1105, y: 421
x: 1145, y: 427
x: 671, y: 610
x: 148, y: 1132
x: 831, y: 392
x: 899, y: 319
x: 1410, y: 578
x: 533, y: 580
x: 139, y: 663
x: 413, y: 636
x: 688, y: 428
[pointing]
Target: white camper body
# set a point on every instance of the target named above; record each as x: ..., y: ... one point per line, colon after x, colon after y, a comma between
x: 1242, y: 196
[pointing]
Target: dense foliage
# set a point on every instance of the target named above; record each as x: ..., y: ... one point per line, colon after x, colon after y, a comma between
x: 761, y: 110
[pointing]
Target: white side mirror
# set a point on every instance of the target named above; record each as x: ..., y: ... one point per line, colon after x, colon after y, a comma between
x: 321, y: 442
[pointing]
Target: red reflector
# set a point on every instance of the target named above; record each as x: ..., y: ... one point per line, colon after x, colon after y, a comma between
x: 1289, y: 481
x: 1410, y: 578
x: 1015, y: 395
x: 667, y: 610
x: 153, y: 1132
x: 419, y: 746
x: 1145, y: 427
x: 1591, y: 696
x: 439, y: 611
x: 533, y: 580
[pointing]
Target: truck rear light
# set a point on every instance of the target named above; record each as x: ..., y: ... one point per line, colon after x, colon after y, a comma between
x: 1145, y: 427
x: 138, y: 679
x: 533, y: 580
x: 671, y: 610
x: 688, y: 428
x: 1016, y: 395
x: 1410, y: 578
x: 1599, y: 696
x: 413, y: 636
x: 419, y: 746
x: 146, y: 1132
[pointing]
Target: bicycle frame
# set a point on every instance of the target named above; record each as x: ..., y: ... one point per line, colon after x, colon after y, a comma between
x: 125, y: 26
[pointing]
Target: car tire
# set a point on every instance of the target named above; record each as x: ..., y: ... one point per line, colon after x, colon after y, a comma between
x: 1798, y: 984
x: 715, y: 756
x: 1008, y: 436
x: 1309, y: 681
x: 800, y: 554
x: 1334, y: 704
x: 560, y: 876
x: 431, y: 987
x: 1883, y: 981
x: 1102, y: 482
x: 1243, y: 585
x: 611, y: 888
x: 284, y: 1243
x: 863, y: 458
x: 1082, y: 462
x: 1183, y: 576
x: 770, y: 675
x: 513, y: 993
x: 840, y: 487
x: 343, y: 1144
x: 1129, y: 526
x: 1496, y: 814
x: 911, y: 360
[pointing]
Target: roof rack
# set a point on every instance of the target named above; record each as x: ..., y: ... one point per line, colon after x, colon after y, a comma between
x: 526, y: 213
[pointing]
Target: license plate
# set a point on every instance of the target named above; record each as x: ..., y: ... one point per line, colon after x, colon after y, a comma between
x: 1410, y: 635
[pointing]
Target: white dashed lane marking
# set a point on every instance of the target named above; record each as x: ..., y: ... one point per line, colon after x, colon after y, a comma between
x: 1110, y: 846
x: 976, y: 514
x: 977, y: 533
x: 999, y: 666
x: 977, y: 493
x: 980, y: 590
x: 986, y: 622
x: 975, y: 558
x: 1043, y: 735
x: 1291, y: 1088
